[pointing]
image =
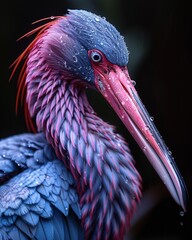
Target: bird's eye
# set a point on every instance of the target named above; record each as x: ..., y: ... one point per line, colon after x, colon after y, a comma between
x: 96, y: 57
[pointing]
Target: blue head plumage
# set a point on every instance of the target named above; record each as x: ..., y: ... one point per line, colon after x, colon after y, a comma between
x: 93, y: 31
x: 70, y: 40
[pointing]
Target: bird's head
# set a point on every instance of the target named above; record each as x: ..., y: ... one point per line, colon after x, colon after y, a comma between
x: 86, y: 49
x: 80, y: 43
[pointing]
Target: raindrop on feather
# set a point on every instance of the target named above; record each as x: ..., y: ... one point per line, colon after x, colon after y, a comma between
x: 97, y: 19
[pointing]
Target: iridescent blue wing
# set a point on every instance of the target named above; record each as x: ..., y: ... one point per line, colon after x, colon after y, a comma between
x: 38, y: 198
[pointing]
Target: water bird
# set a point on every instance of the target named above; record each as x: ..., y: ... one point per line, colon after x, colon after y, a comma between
x: 75, y: 177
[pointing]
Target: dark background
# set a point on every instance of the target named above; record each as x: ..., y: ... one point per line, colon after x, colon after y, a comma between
x: 158, y: 35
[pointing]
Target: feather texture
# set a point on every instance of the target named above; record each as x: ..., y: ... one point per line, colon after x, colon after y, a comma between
x: 80, y: 172
x: 43, y: 193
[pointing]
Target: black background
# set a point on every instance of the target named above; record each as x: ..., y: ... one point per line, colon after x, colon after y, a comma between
x: 158, y: 35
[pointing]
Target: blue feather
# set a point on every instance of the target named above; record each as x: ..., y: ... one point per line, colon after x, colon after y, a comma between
x: 47, y: 211
x: 25, y: 228
x: 34, y: 198
x: 45, y: 230
x: 7, y: 221
x: 76, y: 209
x: 56, y: 190
x: 16, y: 234
x: 31, y: 218
x: 43, y: 190
x: 42, y: 194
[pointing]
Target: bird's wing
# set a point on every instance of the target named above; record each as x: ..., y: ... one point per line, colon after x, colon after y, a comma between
x: 38, y: 199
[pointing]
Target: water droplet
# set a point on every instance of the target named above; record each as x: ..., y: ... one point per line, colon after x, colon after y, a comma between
x: 108, y: 86
x: 61, y: 39
x: 100, y: 85
x: 152, y: 118
x: 52, y: 17
x: 182, y: 213
x: 122, y: 116
x: 126, y: 181
x: 169, y: 153
x: 181, y: 223
x: 144, y: 148
x: 75, y: 59
x: 123, y: 103
x: 97, y: 19
x: 133, y: 82
x: 65, y: 64
x: 30, y: 145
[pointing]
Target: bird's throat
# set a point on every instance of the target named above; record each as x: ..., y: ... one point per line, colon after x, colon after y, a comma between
x: 98, y: 158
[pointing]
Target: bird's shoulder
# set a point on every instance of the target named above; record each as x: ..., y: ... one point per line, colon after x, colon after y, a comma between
x: 20, y: 152
x: 38, y: 198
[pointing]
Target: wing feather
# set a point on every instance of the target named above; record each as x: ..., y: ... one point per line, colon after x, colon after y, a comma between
x: 38, y: 198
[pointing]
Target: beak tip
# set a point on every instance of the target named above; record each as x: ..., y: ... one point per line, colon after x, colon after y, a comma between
x: 185, y: 198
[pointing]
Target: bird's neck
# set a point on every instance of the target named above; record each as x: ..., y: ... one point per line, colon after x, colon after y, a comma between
x: 99, y: 159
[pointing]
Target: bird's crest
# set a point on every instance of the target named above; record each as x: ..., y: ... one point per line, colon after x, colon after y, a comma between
x: 22, y: 60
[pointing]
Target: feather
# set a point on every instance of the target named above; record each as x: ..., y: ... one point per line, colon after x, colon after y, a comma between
x: 23, y: 227
x: 60, y: 206
x: 47, y: 211
x: 22, y: 210
x: 31, y: 218
x: 45, y: 230
x: 7, y: 221
x: 58, y: 225
x: 89, y: 154
x: 39, y: 156
x: 44, y: 190
x: 73, y: 231
x: 56, y: 190
x: 76, y: 209
x: 16, y: 234
x: 34, y: 198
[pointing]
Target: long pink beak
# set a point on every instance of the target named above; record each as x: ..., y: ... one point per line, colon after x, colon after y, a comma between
x: 118, y: 90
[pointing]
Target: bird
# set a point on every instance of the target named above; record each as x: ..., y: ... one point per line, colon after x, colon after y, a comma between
x: 73, y: 175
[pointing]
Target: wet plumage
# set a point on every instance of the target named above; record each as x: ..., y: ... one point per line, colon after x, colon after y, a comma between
x: 75, y: 178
